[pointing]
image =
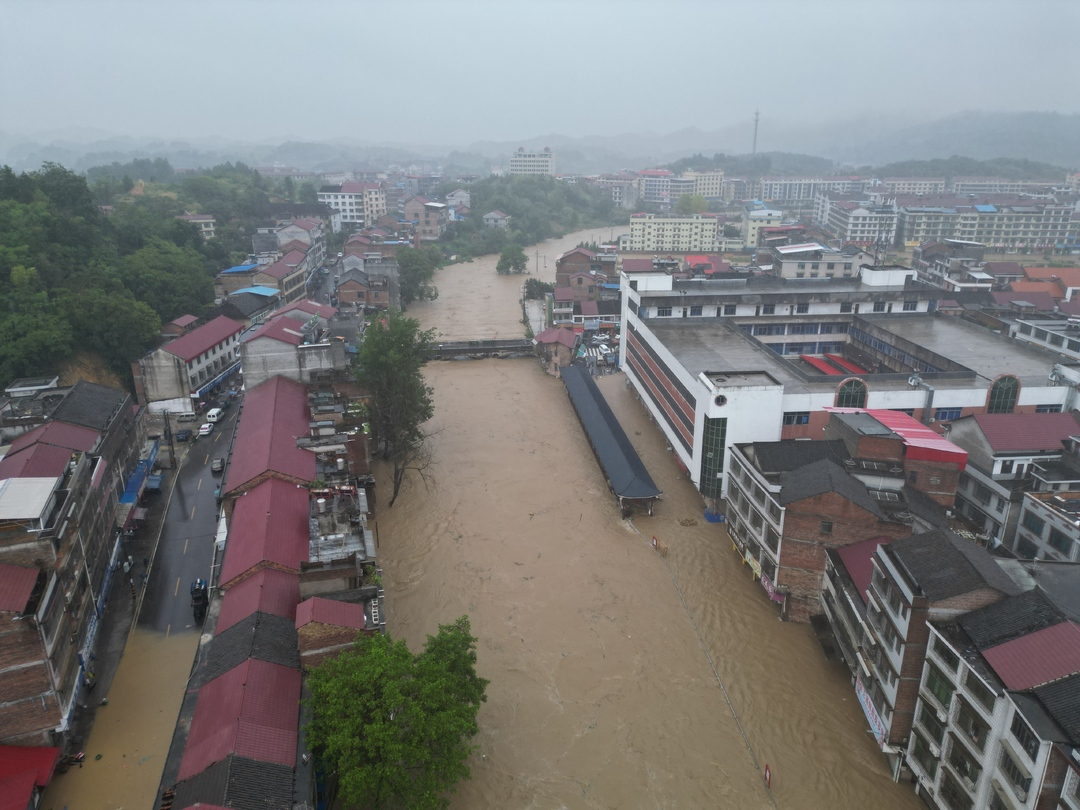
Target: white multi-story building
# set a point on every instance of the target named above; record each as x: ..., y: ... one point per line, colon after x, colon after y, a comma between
x: 911, y: 185
x: 661, y: 233
x: 756, y: 216
x: 709, y: 184
x: 862, y: 220
x: 1049, y: 527
x: 807, y: 188
x: 542, y: 162
x: 359, y: 203
x: 986, y: 185
x: 995, y: 723
x: 1003, y: 224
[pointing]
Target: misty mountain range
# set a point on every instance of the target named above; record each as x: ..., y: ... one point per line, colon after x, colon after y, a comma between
x: 1041, y: 136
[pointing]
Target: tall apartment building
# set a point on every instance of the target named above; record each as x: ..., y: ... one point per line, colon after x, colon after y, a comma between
x: 913, y: 185
x: 359, y: 203
x: 986, y: 185
x: 862, y: 220
x: 542, y: 162
x: 623, y: 187
x: 790, y: 189
x: 708, y: 184
x: 1003, y: 224
x: 660, y: 233
x: 996, y: 720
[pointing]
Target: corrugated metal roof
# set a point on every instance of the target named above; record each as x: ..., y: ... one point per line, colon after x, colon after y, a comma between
x: 183, y: 320
x: 39, y: 461
x: 922, y: 443
x: 270, y: 523
x: 25, y: 498
x: 60, y: 434
x: 1038, y: 658
x: 275, y: 414
x: 251, y: 711
x: 280, y: 328
x: 1018, y: 432
x: 266, y: 591
x: 39, y: 761
x: 16, y: 586
x: 330, y: 611
x: 197, y: 341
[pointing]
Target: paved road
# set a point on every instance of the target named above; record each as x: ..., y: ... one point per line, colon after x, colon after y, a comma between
x: 185, y: 551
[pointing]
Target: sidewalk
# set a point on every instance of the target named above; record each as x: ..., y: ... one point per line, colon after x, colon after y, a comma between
x: 119, y: 616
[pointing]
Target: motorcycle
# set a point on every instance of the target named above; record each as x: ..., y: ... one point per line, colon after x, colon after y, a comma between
x: 200, y: 599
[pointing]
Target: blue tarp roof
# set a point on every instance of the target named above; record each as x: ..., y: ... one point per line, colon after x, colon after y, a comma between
x: 986, y: 209
x: 240, y: 268
x: 622, y: 466
x: 269, y: 291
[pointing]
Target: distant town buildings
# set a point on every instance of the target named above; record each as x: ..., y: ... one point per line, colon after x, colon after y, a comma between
x: 662, y: 233
x: 360, y: 203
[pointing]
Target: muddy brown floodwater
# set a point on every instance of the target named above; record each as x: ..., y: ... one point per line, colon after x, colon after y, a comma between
x: 600, y: 653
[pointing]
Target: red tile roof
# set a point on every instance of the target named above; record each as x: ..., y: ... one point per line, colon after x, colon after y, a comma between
x: 39, y: 461
x: 1017, y: 432
x: 38, y: 761
x: 1070, y: 308
x: 293, y: 258
x: 857, y: 560
x: 1002, y: 268
x: 16, y: 586
x: 183, y: 320
x: 1052, y: 288
x: 307, y: 224
x: 637, y: 265
x: 555, y: 335
x: 920, y: 442
x: 280, y: 328
x: 295, y: 244
x: 58, y: 434
x: 1068, y: 276
x: 583, y: 251
x: 278, y: 270
x: 197, y: 341
x: 251, y: 711
x: 266, y: 591
x: 330, y: 611
x: 1040, y: 300
x: 589, y: 309
x: 270, y: 523
x: 275, y: 414
x: 1046, y: 655
x: 564, y: 293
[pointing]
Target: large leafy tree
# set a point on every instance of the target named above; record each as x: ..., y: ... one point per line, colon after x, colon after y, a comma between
x: 393, y: 727
x: 389, y: 363
x: 416, y: 270
x: 512, y: 260
x: 172, y: 280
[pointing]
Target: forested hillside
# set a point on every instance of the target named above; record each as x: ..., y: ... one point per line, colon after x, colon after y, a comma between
x: 73, y: 279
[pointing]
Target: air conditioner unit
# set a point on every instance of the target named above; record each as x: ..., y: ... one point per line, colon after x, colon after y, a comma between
x: 934, y: 750
x: 941, y: 715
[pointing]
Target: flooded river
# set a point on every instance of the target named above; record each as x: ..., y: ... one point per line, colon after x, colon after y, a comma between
x: 600, y: 653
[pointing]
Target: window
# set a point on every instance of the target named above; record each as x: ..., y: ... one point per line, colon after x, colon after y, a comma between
x: 1047, y: 409
x: 1025, y: 736
x: 979, y: 691
x: 729, y: 309
x: 802, y: 309
x: 1020, y: 781
x: 947, y: 414
x: 845, y: 306
x: 1033, y: 523
x: 797, y: 418
x: 911, y: 306
x: 852, y: 393
x: 1060, y: 541
x: 928, y: 720
x: 826, y: 527
x: 948, y: 657
x: 1026, y: 549
x: 1003, y: 395
x: 768, y: 309
x: 879, y: 306
x: 847, y: 265
x: 695, y: 310
x: 939, y: 686
x: 663, y: 312
x: 953, y: 795
x: 921, y: 752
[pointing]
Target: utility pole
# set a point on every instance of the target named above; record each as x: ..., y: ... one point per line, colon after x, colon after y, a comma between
x: 757, y: 115
x: 538, y: 262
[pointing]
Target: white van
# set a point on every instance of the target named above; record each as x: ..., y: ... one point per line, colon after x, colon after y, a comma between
x: 187, y: 416
x: 214, y: 414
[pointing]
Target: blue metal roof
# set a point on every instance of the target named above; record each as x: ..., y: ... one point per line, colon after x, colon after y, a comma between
x: 268, y: 291
x: 241, y: 268
x: 986, y: 209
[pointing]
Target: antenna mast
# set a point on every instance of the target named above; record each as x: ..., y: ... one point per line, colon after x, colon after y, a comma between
x: 757, y: 114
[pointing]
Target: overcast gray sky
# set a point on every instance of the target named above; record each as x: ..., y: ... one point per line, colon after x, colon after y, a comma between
x: 460, y: 70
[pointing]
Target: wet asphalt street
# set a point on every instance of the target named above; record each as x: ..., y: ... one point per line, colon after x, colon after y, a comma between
x: 185, y: 550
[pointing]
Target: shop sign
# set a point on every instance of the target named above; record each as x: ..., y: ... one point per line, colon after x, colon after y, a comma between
x: 755, y: 566
x: 876, y: 725
x: 770, y: 589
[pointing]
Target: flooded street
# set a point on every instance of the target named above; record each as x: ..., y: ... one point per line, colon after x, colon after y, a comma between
x: 132, y: 733
x: 603, y: 692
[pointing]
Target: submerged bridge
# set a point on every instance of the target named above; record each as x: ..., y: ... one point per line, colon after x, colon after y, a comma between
x: 449, y: 350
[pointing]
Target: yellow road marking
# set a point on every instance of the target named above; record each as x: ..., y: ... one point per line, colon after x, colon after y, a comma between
x: 167, y: 629
x: 206, y: 459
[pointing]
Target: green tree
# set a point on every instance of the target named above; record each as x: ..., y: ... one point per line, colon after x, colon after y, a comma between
x: 536, y: 289
x: 171, y: 279
x: 689, y: 204
x: 416, y: 271
x: 512, y: 260
x: 389, y: 363
x: 393, y: 727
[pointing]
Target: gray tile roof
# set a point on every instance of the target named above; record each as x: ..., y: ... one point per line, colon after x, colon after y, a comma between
x: 1010, y: 618
x: 944, y: 565
x: 824, y: 476
x: 239, y: 783
x: 91, y: 405
x: 1062, y: 701
x: 778, y: 457
x: 261, y: 635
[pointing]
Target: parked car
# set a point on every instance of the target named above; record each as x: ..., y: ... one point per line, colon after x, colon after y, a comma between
x: 217, y: 465
x: 183, y: 435
x: 206, y: 429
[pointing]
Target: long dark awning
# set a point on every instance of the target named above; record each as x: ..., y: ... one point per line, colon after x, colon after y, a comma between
x: 618, y: 458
